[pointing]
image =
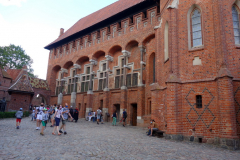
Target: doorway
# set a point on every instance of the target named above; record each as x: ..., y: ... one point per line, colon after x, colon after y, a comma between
x: 101, y: 104
x: 134, y: 114
x: 117, y: 109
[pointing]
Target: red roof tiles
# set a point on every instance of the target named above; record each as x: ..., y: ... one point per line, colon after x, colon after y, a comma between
x: 98, y: 16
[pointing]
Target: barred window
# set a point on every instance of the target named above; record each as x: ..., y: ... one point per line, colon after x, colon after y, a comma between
x: 199, y: 101
x: 236, y: 24
x: 196, y: 28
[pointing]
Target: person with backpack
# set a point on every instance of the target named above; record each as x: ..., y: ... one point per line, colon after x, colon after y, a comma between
x: 18, y: 115
x: 124, y: 117
x: 99, y: 112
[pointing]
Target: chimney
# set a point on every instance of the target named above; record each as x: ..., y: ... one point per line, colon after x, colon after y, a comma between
x: 61, y: 31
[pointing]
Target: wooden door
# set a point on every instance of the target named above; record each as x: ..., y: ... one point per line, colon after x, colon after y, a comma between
x: 134, y: 114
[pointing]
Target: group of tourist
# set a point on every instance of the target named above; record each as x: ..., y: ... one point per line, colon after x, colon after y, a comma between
x: 56, y: 113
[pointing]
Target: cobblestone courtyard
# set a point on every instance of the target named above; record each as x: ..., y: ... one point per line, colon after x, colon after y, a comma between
x: 87, y: 140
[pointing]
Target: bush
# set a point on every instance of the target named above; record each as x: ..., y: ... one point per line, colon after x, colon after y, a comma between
x: 12, y: 114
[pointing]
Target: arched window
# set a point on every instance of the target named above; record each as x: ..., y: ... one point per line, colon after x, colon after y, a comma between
x: 236, y: 28
x: 166, y: 42
x: 196, y: 28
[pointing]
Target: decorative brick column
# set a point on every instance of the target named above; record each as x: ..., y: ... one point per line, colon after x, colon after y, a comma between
x: 227, y: 116
x: 173, y: 110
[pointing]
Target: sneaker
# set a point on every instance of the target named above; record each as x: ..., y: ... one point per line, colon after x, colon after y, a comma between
x: 37, y: 128
x: 42, y: 134
x: 51, y: 126
x: 60, y: 131
x: 65, y: 132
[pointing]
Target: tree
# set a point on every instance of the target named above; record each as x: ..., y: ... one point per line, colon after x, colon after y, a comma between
x: 14, y: 57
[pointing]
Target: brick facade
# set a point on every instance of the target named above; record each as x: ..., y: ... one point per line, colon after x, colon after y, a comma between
x: 169, y: 85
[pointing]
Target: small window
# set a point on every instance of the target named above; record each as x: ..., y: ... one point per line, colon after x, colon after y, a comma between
x: 70, y: 81
x: 122, y: 62
x: 104, y: 67
x: 88, y: 70
x: 118, y: 71
x: 101, y: 75
x: 135, y: 79
x: 117, y: 81
x: 199, y: 101
x: 74, y: 73
x: 88, y: 77
x: 83, y: 78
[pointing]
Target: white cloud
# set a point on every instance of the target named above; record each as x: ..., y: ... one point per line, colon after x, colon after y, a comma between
x: 12, y: 2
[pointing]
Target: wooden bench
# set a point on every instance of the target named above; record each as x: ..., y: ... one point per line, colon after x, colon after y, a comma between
x: 158, y: 133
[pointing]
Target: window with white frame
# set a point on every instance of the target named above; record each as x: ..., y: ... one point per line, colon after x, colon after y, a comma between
x: 119, y: 74
x: 236, y: 24
x: 71, y: 82
x: 85, y: 80
x: 196, y: 28
x: 102, y: 77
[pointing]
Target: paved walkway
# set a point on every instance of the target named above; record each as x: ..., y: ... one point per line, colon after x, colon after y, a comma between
x: 87, y: 140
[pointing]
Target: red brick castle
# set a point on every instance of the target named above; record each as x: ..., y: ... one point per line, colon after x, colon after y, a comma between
x: 175, y: 61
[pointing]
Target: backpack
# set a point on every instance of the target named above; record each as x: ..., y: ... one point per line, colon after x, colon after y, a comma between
x: 99, y: 112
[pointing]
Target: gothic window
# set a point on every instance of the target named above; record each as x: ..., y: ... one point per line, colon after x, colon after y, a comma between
x: 236, y: 24
x: 166, y: 42
x: 196, y: 28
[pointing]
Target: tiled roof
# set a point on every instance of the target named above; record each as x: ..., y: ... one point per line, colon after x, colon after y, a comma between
x: 22, y: 84
x: 38, y: 83
x: 6, y: 75
x: 14, y: 73
x: 97, y: 17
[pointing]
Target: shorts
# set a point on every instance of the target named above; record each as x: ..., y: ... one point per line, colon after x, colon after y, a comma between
x: 124, y: 119
x: 39, y: 116
x: 52, y: 117
x: 43, y: 124
x: 18, y: 120
x: 98, y: 116
x: 63, y: 121
x: 57, y: 120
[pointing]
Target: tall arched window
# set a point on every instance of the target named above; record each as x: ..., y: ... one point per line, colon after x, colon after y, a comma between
x: 166, y: 42
x: 196, y: 28
x: 236, y: 24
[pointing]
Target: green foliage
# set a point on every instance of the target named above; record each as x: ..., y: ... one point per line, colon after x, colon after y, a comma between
x: 12, y: 114
x: 14, y: 57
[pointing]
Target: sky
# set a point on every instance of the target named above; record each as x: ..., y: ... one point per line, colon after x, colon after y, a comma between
x: 33, y: 24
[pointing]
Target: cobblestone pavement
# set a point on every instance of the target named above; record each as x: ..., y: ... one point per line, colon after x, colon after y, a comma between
x: 87, y: 140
